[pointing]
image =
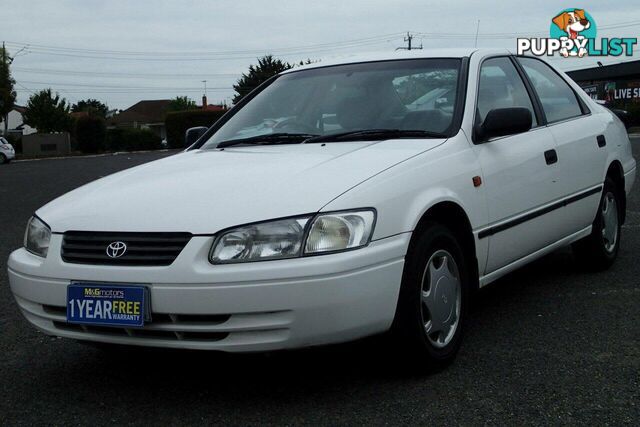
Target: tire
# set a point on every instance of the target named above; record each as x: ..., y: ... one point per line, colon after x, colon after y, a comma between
x: 3, y: 159
x: 599, y: 250
x: 429, y: 321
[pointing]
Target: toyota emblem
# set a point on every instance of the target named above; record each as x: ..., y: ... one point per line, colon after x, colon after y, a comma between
x: 116, y: 249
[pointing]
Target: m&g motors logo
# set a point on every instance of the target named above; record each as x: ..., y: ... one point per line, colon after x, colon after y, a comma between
x: 573, y: 34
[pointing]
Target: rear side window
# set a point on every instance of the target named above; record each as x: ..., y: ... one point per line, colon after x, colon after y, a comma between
x: 500, y: 86
x: 556, y: 96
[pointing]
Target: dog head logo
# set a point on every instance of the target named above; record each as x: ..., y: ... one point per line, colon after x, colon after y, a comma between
x: 572, y: 23
x: 576, y: 25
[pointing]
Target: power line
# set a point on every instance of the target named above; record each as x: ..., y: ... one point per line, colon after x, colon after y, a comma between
x: 129, y: 91
x: 280, y: 51
x: 202, y: 53
x: 49, y: 71
x: 441, y: 35
x: 63, y: 84
x: 202, y: 56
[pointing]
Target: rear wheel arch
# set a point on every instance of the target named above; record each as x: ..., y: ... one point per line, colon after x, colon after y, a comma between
x: 454, y: 217
x: 616, y: 173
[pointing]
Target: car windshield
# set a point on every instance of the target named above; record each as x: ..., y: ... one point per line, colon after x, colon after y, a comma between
x: 411, y: 95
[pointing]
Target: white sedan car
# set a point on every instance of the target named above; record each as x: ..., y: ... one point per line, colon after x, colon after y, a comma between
x: 322, y: 208
x: 7, y: 153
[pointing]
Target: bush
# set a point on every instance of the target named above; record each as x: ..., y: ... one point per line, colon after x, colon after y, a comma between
x: 132, y: 140
x: 178, y: 122
x: 90, y: 134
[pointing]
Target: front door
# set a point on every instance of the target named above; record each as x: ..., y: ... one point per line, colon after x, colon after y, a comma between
x: 520, y: 172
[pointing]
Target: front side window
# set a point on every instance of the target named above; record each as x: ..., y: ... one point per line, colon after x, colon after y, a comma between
x: 415, y: 94
x: 500, y: 86
x: 558, y: 100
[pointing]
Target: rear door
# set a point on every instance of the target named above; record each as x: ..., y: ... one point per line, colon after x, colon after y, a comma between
x: 520, y: 172
x: 580, y: 141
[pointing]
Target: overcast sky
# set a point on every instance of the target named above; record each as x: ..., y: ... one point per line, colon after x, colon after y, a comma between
x: 121, y: 52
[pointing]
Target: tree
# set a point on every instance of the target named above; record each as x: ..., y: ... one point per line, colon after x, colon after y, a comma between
x: 91, y: 106
x: 267, y: 67
x: 7, y: 93
x: 182, y: 103
x: 47, y: 113
x: 90, y: 132
x: 307, y: 62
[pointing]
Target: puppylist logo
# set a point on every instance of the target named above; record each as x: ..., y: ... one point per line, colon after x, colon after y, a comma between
x: 573, y: 34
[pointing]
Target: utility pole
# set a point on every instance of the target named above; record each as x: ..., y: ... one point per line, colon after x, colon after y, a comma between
x: 477, y: 32
x: 409, y: 40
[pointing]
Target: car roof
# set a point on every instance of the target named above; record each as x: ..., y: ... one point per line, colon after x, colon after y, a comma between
x: 398, y: 54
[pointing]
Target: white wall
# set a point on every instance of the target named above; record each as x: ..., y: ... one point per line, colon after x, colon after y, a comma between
x: 15, y: 120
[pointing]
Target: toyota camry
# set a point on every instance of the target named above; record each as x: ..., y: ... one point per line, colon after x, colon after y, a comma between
x: 336, y: 201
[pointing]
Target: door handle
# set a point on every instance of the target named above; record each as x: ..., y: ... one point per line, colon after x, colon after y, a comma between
x: 550, y: 156
x: 602, y: 141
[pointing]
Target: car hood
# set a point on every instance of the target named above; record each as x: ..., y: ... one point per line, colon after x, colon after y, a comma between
x: 204, y: 191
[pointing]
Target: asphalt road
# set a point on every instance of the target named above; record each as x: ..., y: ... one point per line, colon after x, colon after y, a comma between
x: 549, y: 344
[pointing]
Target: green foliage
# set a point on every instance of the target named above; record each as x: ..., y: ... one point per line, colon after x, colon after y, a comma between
x: 122, y: 139
x: 182, y: 103
x: 7, y: 92
x: 267, y: 67
x: 91, y: 106
x: 47, y: 112
x: 177, y: 124
x: 90, y: 133
x: 307, y: 62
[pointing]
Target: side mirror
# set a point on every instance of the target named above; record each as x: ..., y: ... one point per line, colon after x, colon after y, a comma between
x: 193, y: 134
x: 504, y: 121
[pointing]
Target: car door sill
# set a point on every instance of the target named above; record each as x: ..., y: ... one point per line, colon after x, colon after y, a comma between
x: 496, y: 274
x: 538, y: 212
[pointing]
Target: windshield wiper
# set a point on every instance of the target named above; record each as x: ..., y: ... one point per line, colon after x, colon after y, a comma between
x: 270, y: 138
x: 373, y: 134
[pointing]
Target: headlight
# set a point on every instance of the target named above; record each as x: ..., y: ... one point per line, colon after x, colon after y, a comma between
x: 257, y: 242
x: 294, y: 237
x: 339, y: 231
x: 37, y: 237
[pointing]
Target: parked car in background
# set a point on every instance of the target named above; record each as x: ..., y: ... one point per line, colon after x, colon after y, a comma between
x: 7, y: 152
x: 336, y: 201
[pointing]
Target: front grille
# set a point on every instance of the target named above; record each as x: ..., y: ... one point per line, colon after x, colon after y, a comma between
x: 142, y: 249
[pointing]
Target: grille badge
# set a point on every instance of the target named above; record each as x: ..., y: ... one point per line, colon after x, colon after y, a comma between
x: 116, y: 249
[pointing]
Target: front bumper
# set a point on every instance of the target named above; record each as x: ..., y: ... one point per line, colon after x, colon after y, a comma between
x: 243, y: 307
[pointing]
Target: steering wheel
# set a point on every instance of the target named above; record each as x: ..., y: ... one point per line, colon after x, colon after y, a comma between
x: 296, y: 125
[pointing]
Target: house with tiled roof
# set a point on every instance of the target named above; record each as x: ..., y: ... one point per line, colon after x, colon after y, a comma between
x: 147, y: 114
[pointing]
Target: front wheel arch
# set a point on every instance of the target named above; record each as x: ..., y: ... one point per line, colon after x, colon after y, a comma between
x: 454, y: 217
